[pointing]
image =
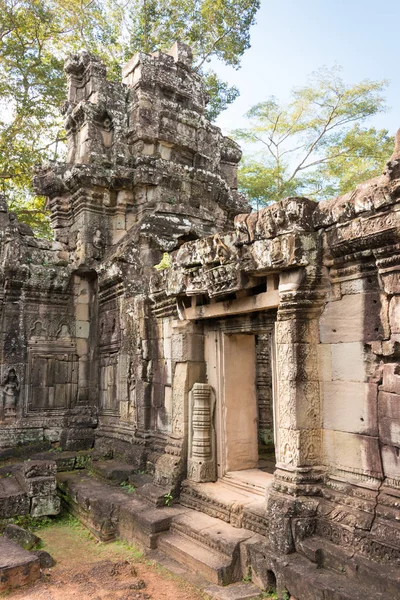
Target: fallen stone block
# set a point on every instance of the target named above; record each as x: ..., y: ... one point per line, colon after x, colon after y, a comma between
x: 18, y: 567
x: 46, y: 560
x: 25, y: 539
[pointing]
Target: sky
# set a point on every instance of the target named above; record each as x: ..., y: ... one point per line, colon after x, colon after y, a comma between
x: 291, y: 39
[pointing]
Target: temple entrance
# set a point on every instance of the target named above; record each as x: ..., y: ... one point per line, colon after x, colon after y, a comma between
x: 239, y: 357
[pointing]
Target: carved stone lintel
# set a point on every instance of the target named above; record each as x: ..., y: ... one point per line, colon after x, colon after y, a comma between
x: 202, y: 459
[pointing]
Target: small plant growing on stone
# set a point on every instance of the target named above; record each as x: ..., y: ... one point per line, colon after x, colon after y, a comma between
x: 247, y: 578
x: 165, y: 262
x: 168, y: 498
x: 127, y: 487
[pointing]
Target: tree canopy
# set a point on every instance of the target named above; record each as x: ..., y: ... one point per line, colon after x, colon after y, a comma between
x: 36, y: 35
x: 316, y: 145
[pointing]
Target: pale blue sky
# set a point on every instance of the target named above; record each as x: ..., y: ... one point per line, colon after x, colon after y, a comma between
x: 295, y: 37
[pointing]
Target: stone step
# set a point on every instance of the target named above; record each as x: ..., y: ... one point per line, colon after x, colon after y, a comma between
x: 96, y: 504
x: 217, y: 500
x: 235, y: 591
x: 140, y: 521
x: 154, y: 494
x: 210, y: 532
x: 213, y: 566
x: 110, y: 512
x: 208, y: 545
x: 66, y: 460
x: 253, y: 481
x: 113, y: 471
x: 18, y: 567
x: 355, y: 568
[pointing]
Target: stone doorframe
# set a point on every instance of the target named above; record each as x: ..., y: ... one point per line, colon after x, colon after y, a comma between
x: 299, y: 465
x: 230, y: 356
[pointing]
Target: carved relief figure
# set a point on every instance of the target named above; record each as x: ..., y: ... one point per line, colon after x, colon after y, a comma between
x: 63, y: 331
x: 223, y: 252
x: 79, y: 248
x: 131, y: 416
x: 38, y: 330
x: 276, y: 251
x: 98, y: 244
x: 11, y: 387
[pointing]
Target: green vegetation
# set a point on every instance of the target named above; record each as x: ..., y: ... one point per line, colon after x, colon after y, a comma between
x: 165, y: 262
x: 168, y: 498
x: 32, y: 523
x: 316, y: 145
x: 35, y: 37
x: 127, y: 487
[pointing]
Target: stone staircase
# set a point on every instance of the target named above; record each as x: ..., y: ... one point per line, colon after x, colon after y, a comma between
x: 212, y: 552
x: 190, y: 541
x: 207, y: 545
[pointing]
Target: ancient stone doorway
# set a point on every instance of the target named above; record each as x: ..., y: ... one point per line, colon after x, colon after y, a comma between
x: 240, y: 370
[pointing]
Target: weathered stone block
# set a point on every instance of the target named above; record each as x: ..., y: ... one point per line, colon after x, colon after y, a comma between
x: 324, y: 362
x: 77, y: 438
x: 297, y: 331
x: 391, y: 461
x: 355, y: 318
x: 348, y: 361
x: 391, y: 282
x: 17, y: 566
x: 389, y: 418
x: 46, y: 560
x: 297, y: 362
x: 82, y: 329
x: 39, y: 486
x: 350, y: 406
x: 45, y: 505
x: 25, y: 539
x: 389, y: 405
x: 353, y: 452
x: 185, y: 346
x: 13, y: 499
x: 394, y: 314
x: 39, y: 468
x: 391, y: 378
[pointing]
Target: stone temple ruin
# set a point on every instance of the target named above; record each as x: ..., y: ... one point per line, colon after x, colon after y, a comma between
x: 252, y: 380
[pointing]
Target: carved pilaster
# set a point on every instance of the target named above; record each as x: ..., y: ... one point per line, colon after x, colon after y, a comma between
x: 202, y: 458
x: 299, y: 447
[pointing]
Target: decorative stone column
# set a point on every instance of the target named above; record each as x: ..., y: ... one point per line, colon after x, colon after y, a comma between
x: 201, y: 458
x: 299, y: 435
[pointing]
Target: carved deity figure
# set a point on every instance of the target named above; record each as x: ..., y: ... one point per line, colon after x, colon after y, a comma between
x: 223, y: 252
x: 11, y: 387
x: 79, y: 247
x: 98, y: 244
x: 276, y: 251
x: 131, y: 393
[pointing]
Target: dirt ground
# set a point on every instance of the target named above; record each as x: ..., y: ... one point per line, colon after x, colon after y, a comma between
x: 89, y: 570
